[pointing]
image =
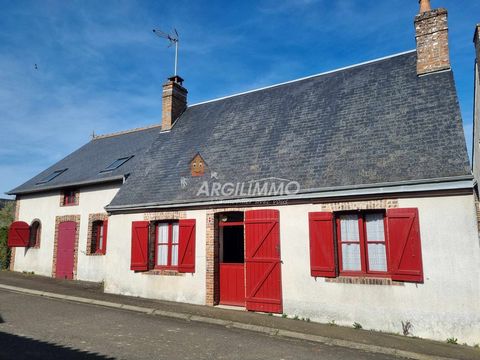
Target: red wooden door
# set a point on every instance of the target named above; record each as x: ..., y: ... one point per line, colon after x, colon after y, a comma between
x: 262, y: 261
x: 65, y: 249
x: 232, y: 284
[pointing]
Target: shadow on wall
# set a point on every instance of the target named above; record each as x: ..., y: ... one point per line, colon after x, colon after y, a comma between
x: 19, y: 347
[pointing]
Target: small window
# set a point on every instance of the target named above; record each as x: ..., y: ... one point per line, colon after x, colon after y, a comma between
x: 361, y: 243
x: 35, y: 234
x: 117, y: 163
x: 197, y: 166
x: 51, y: 176
x: 70, y: 197
x: 166, y: 245
x: 98, y: 244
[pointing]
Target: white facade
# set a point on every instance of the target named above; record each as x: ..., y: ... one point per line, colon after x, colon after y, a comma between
x: 446, y: 305
x: 120, y: 279
x: 46, y: 207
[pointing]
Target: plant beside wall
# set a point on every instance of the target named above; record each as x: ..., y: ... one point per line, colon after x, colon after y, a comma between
x: 7, y: 213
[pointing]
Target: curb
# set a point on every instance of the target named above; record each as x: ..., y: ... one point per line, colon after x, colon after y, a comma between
x: 232, y: 324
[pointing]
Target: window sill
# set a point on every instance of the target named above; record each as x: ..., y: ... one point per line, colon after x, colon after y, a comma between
x: 96, y: 254
x: 163, y: 272
x: 363, y: 280
x: 68, y: 205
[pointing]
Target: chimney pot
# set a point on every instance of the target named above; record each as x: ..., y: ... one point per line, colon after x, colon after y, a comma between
x: 424, y: 6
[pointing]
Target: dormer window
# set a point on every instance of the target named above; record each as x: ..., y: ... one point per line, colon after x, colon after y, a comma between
x: 51, y: 176
x: 117, y: 163
x: 197, y: 166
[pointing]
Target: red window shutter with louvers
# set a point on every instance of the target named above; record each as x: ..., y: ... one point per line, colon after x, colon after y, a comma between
x: 322, y: 251
x: 18, y: 234
x: 405, y: 250
x: 105, y: 232
x: 139, y: 257
x: 186, y: 246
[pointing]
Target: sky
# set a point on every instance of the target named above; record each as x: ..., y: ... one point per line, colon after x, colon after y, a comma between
x: 99, y: 68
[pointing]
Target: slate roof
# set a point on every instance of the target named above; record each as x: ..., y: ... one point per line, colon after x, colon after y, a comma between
x: 84, y: 165
x: 374, y: 123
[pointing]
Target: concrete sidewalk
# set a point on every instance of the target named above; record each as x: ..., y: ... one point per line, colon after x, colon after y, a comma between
x: 92, y: 293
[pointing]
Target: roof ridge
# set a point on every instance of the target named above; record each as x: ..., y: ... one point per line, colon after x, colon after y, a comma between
x: 123, y: 132
x: 304, y: 78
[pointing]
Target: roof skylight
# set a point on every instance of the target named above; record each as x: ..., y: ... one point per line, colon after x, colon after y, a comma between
x: 51, y: 176
x: 117, y: 163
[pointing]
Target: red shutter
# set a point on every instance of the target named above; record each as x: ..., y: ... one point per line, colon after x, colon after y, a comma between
x: 405, y: 251
x: 186, y: 246
x: 322, y: 251
x: 139, y: 259
x: 18, y: 234
x: 105, y: 232
x: 263, y: 282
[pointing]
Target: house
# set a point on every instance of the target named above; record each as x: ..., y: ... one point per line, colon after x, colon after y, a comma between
x: 345, y: 196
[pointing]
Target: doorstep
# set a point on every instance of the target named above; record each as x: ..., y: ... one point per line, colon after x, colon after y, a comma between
x: 389, y: 344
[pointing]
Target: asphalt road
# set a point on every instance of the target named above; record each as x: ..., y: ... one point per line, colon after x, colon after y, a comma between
x: 33, y: 327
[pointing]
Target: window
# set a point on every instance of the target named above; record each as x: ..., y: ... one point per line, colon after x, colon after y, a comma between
x: 35, y: 234
x: 51, y: 176
x: 166, y: 245
x: 117, y: 163
x: 361, y: 243
x: 70, y: 197
x: 99, y: 237
x: 366, y: 243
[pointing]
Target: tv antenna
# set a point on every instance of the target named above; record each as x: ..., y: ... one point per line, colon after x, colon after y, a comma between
x: 173, y: 38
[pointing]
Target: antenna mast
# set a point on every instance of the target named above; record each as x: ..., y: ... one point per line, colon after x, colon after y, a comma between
x: 174, y: 39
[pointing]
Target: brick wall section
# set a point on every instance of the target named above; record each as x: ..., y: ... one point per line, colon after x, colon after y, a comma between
x: 363, y: 281
x: 174, y: 103
x: 164, y: 215
x: 15, y: 218
x: 477, y: 210
x: 91, y: 219
x: 360, y: 205
x: 58, y: 220
x: 432, y: 41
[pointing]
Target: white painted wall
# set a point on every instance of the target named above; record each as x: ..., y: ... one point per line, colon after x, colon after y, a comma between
x: 446, y: 305
x: 46, y: 207
x: 120, y: 279
x: 476, y: 122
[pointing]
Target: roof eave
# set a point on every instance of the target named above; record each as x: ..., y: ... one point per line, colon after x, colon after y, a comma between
x: 66, y: 185
x: 427, y: 185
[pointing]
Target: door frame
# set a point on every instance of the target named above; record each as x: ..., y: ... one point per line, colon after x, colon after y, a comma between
x: 212, y: 249
x: 58, y: 221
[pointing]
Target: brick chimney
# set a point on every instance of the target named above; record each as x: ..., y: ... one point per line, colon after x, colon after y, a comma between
x: 431, y: 27
x: 174, y: 101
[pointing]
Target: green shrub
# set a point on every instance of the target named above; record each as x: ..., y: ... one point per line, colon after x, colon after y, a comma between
x: 4, y: 249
